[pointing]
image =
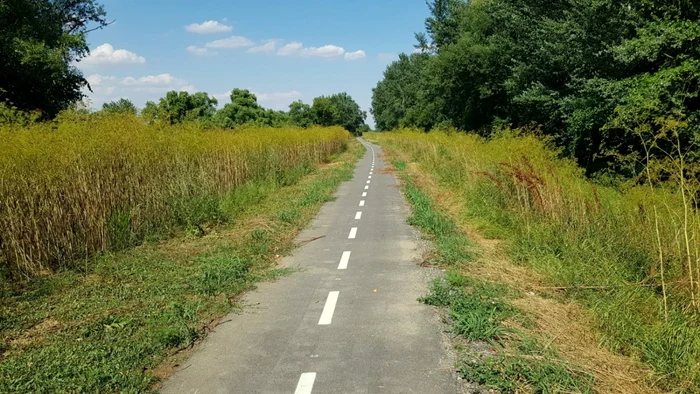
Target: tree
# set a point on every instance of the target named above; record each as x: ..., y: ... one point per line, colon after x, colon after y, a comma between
x: 243, y: 109
x: 39, y: 42
x: 588, y: 73
x: 121, y: 106
x: 349, y: 113
x: 300, y: 114
x: 338, y: 110
x: 442, y: 25
x: 399, y: 98
x: 325, y: 112
x: 179, y: 107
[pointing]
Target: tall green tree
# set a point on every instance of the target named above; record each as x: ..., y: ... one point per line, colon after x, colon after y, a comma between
x: 121, y: 106
x: 39, y: 42
x: 243, y: 109
x: 349, y: 113
x: 399, y: 99
x: 338, y: 110
x: 179, y: 107
x: 300, y: 114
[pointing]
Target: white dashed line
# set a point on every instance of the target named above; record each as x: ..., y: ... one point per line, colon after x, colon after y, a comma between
x: 366, y: 187
x: 327, y: 314
x: 358, y: 216
x: 362, y: 203
x: 369, y: 181
x: 353, y: 233
x: 306, y: 383
x: 364, y: 194
x: 344, y: 260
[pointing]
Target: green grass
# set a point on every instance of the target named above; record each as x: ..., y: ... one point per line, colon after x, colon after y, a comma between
x: 584, y: 234
x: 477, y: 311
x: 105, y: 328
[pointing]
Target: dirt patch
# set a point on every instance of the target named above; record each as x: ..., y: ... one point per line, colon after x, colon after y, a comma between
x: 36, y: 334
x: 561, y: 324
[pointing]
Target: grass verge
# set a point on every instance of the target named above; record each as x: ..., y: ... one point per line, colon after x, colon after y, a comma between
x: 109, y: 327
x: 495, y: 355
x: 610, y: 269
x: 513, y: 335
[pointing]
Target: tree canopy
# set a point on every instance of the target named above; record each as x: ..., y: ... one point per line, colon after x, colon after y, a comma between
x: 592, y: 74
x: 39, y: 42
x: 122, y: 106
x: 338, y: 110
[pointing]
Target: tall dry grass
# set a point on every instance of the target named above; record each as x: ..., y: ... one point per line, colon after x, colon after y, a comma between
x: 630, y: 252
x: 72, y: 188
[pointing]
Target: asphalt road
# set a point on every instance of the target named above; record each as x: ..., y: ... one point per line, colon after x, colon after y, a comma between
x: 349, y: 322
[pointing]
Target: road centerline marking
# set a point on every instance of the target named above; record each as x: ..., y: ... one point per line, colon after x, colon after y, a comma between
x: 306, y: 383
x: 366, y: 187
x: 358, y: 215
x: 364, y: 194
x: 344, y: 260
x: 329, y: 309
x: 353, y: 233
x: 369, y: 181
x: 362, y: 203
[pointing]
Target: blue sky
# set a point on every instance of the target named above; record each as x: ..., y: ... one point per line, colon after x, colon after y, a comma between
x: 281, y: 50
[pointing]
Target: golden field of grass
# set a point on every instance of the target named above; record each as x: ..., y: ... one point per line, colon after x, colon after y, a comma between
x: 70, y: 189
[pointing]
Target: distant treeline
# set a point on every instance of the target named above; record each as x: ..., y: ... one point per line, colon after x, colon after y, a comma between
x: 179, y: 107
x: 608, y: 80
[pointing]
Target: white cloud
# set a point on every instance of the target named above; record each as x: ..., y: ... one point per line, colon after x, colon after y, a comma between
x: 162, y: 79
x: 290, y: 49
x: 187, y: 88
x: 223, y: 98
x: 149, y: 87
x: 277, y: 96
x: 231, y: 42
x: 208, y: 27
x: 357, y: 55
x: 197, y: 51
x: 268, y: 46
x: 298, y: 49
x: 97, y: 79
x: 106, y: 54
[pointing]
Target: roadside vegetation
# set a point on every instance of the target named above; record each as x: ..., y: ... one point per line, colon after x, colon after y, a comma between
x: 75, y: 187
x: 565, y: 134
x: 117, y: 320
x: 126, y: 232
x: 495, y: 355
x: 627, y: 255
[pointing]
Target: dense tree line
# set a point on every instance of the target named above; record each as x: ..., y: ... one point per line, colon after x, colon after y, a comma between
x: 180, y: 107
x: 598, y: 76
